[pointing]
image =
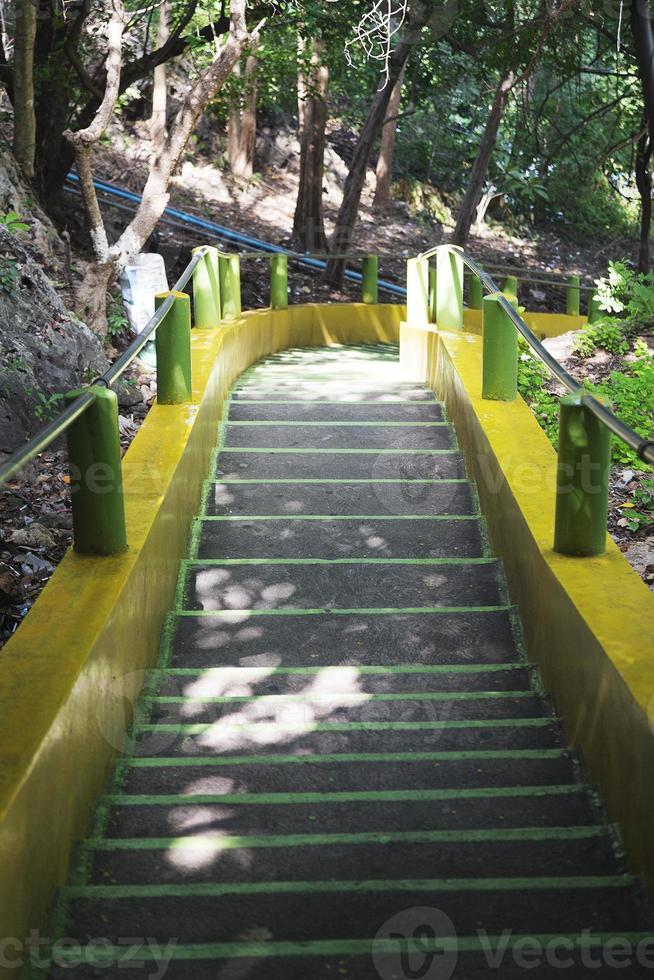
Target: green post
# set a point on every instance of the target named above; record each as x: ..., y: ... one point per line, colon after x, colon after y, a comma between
x: 449, y: 288
x: 476, y: 292
x: 499, y: 352
x: 510, y: 287
x: 230, y: 286
x: 417, y: 292
x: 369, y: 280
x: 279, y: 282
x: 96, y: 481
x: 582, y: 480
x: 433, y: 279
x: 595, y: 311
x: 206, y: 290
x: 173, y: 344
x: 573, y: 294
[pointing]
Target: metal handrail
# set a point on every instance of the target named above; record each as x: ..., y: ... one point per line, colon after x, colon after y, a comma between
x: 644, y: 448
x: 47, y: 435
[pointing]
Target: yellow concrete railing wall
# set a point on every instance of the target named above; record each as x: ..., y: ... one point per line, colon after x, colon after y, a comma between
x: 588, y: 622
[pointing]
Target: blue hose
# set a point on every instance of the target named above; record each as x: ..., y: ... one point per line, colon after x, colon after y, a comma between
x: 236, y: 237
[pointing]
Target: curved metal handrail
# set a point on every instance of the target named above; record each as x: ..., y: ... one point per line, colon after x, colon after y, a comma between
x: 48, y: 433
x: 644, y: 448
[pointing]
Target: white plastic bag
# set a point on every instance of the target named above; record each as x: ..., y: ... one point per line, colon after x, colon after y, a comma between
x: 140, y: 281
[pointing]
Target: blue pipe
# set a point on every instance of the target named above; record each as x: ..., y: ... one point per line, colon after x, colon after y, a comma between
x: 235, y: 236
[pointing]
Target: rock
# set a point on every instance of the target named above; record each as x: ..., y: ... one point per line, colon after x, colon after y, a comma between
x: 561, y: 347
x: 33, y: 536
x: 640, y: 554
x: 44, y: 349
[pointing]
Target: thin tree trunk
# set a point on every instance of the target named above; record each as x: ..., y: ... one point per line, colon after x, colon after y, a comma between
x: 644, y: 185
x: 242, y: 122
x: 480, y: 167
x: 24, y: 114
x: 384, y: 170
x: 160, y: 88
x: 349, y: 209
x: 308, y: 222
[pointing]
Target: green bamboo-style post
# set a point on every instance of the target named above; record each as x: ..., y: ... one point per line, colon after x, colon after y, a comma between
x: 449, y: 288
x: 230, y: 286
x: 510, y: 287
x: 594, y: 309
x: 279, y: 282
x: 476, y: 292
x: 173, y: 346
x: 206, y: 290
x: 96, y: 481
x: 582, y: 480
x: 499, y: 352
x: 433, y: 280
x: 370, y: 279
x: 573, y: 296
x: 417, y: 292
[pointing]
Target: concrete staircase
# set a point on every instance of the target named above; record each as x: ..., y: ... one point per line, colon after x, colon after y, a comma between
x: 343, y: 766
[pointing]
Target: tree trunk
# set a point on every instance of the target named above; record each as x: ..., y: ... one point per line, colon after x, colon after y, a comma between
x: 242, y: 123
x: 479, y: 170
x: 644, y: 185
x: 160, y: 89
x: 24, y: 114
x: 308, y: 222
x: 347, y: 215
x: 385, y: 162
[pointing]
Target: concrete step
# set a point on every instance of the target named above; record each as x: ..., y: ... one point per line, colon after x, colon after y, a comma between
x: 347, y: 639
x: 300, y: 390
x: 340, y: 497
x: 338, y: 435
x: 347, y: 910
x: 303, y: 710
x: 345, y: 772
x: 311, y: 585
x: 326, y: 537
x: 339, y: 411
x: 322, y: 737
x: 371, y: 465
x: 231, y: 681
x: 526, y: 853
x: 376, y: 811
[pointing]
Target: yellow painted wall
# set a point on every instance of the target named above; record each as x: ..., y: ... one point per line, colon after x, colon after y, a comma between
x: 80, y: 654
x: 543, y: 324
x: 588, y: 622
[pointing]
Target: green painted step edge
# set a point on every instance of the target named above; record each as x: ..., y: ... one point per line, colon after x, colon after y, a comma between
x: 473, y: 837
x: 489, y: 560
x: 103, y: 953
x: 340, y: 517
x: 160, y: 762
x: 336, y: 611
x: 351, y: 726
x: 312, y: 401
x: 356, y: 699
x: 372, y: 670
x: 266, y: 451
x: 379, y: 424
x: 214, y: 889
x: 358, y: 796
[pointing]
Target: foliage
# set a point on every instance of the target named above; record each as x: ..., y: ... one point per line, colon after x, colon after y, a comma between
x: 116, y: 319
x: 608, y: 334
x: 639, y: 511
x: 13, y: 222
x: 8, y: 273
x: 47, y: 406
x: 627, y: 293
x: 631, y: 394
x: 532, y: 377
